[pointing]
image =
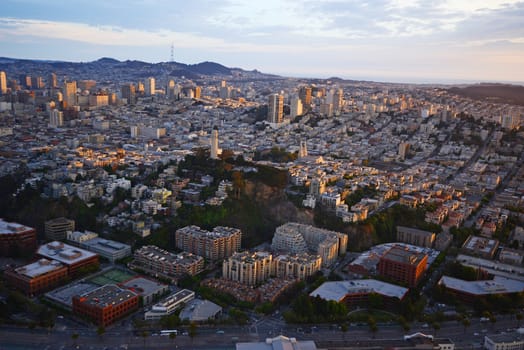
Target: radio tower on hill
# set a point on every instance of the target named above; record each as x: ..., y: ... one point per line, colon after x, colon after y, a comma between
x: 172, y: 52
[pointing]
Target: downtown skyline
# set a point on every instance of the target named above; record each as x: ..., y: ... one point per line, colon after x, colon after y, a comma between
x: 389, y: 40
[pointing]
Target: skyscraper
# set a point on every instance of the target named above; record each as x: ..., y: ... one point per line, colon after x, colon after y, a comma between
x: 338, y: 101
x: 150, y: 86
x: 52, y: 81
x: 3, y: 83
x: 128, y: 92
x: 275, y: 109
x: 305, y: 95
x: 69, y: 92
x: 296, y: 107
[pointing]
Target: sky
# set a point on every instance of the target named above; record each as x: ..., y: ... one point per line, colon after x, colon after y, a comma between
x: 384, y: 40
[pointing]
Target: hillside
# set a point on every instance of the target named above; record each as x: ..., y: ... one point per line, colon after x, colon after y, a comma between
x: 496, y: 93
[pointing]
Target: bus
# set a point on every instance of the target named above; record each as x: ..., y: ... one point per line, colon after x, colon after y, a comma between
x: 168, y: 332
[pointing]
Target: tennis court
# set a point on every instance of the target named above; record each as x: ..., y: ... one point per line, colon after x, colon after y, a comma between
x: 113, y: 276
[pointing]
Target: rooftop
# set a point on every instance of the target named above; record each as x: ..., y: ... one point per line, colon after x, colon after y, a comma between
x: 339, y: 289
x: 106, y: 245
x: 41, y: 267
x: 64, y: 253
x: 107, y: 295
x: 143, y: 286
x: 404, y: 255
x: 279, y: 343
x: 498, y: 285
x: 199, y: 310
x: 12, y: 227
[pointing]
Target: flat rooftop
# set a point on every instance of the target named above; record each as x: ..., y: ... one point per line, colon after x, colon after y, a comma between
x: 12, y: 227
x: 64, y: 253
x: 484, y: 245
x: 404, y: 255
x: 339, y: 289
x: 39, y: 268
x: 218, y: 232
x: 143, y: 286
x: 498, y: 285
x: 174, y: 298
x: 64, y: 295
x: 106, y: 245
x: 107, y: 295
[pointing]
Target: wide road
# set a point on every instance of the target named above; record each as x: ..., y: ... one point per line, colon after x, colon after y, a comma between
x: 13, y: 338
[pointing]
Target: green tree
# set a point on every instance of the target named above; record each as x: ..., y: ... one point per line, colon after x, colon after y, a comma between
x: 100, y: 331
x: 466, y: 323
x: 172, y: 336
x: 192, y: 332
x: 144, y: 335
x: 518, y: 317
x: 74, y: 336
x: 344, y: 328
x: 436, y: 328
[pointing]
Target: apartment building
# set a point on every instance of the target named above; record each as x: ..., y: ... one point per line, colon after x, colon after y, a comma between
x: 160, y: 262
x: 403, y: 265
x: 415, y: 236
x: 56, y: 229
x: 248, y: 268
x: 218, y: 244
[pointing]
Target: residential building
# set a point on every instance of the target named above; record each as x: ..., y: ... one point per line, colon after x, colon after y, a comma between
x: 111, y: 250
x: 221, y: 243
x: 38, y: 277
x: 162, y: 263
x: 56, y: 229
x: 415, y: 236
x: 298, y: 238
x: 403, y: 265
x: 304, y: 93
x: 248, y: 268
x: 298, y: 267
x: 3, y: 83
x: 69, y: 94
x: 105, y: 305
x: 129, y: 93
x: 16, y: 239
x: 149, y: 87
x: 74, y: 258
x: 480, y: 247
x: 170, y: 304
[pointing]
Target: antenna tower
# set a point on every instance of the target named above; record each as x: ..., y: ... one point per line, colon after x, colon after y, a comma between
x: 172, y: 53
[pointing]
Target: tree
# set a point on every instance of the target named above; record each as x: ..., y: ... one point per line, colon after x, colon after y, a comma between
x: 172, y: 336
x: 493, y: 320
x: 518, y: 316
x: 436, y: 328
x: 74, y: 336
x: 145, y: 334
x: 466, y: 323
x: 192, y: 331
x: 344, y: 329
x: 100, y: 331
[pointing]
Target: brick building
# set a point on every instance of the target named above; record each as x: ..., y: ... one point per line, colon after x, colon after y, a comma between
x: 74, y: 258
x: 38, y: 277
x: 106, y: 304
x: 403, y: 265
x: 16, y: 239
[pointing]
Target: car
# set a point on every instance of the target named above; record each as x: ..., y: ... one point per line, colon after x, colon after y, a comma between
x: 220, y: 332
x: 185, y: 333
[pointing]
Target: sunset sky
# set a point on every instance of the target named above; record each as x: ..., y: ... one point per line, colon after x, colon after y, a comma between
x: 386, y: 40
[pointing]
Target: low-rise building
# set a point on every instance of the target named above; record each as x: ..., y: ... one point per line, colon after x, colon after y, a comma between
x: 76, y: 259
x: 480, y: 247
x: 106, y: 304
x: 16, y: 239
x: 198, y: 310
x: 507, y: 341
x: 470, y: 291
x: 56, y: 229
x: 403, y: 265
x: 147, y: 289
x: 170, y: 304
x: 160, y: 262
x: 38, y: 277
x: 415, y: 236
x: 111, y: 250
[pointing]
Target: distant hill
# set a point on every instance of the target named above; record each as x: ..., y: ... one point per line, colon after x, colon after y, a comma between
x: 131, y: 68
x: 496, y: 93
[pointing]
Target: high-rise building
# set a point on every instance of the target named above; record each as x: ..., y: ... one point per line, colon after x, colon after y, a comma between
x: 149, y: 87
x: 198, y: 92
x: 296, y: 107
x: 128, y: 92
x: 275, y: 110
x: 305, y: 95
x: 25, y: 81
x: 56, y: 120
x: 338, y: 101
x: 3, y: 83
x: 214, y: 143
x: 53, y: 84
x: 69, y: 94
x: 221, y: 243
x: 37, y: 83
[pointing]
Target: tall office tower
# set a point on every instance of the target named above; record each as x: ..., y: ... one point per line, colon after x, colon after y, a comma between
x: 170, y: 89
x: 223, y: 83
x: 69, y: 94
x: 224, y: 91
x: 128, y: 92
x: 198, y: 92
x: 303, y: 149
x: 149, y: 87
x: 214, y: 143
x: 275, y: 109
x: 140, y: 88
x: 37, y: 82
x: 25, y: 81
x: 338, y: 101
x: 52, y: 81
x: 56, y: 118
x: 305, y: 95
x: 3, y: 83
x: 89, y: 85
x: 296, y: 107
